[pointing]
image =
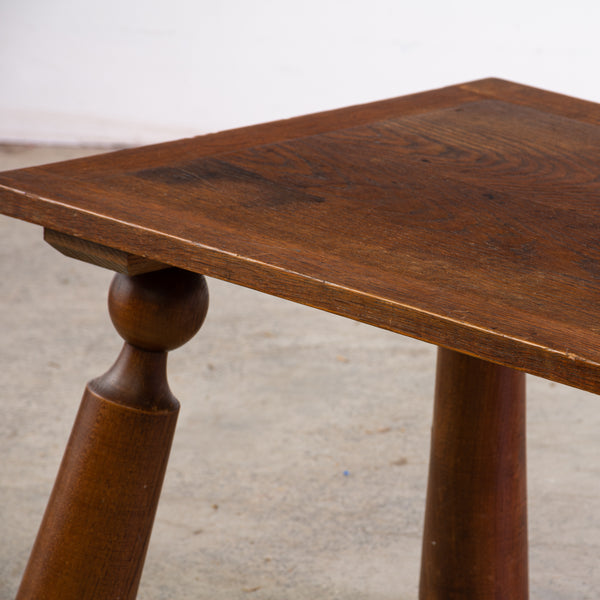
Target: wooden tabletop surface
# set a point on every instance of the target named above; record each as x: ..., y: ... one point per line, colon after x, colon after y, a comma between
x: 468, y: 217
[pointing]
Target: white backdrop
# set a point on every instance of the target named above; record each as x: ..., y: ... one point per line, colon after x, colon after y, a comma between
x: 138, y: 71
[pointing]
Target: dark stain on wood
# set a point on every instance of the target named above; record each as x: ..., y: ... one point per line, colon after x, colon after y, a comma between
x: 466, y: 217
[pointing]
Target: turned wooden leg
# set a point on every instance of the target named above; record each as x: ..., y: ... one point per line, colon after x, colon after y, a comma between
x: 94, y: 535
x: 475, y: 538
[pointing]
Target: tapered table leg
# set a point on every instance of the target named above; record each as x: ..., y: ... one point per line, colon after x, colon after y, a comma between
x: 94, y: 535
x: 475, y: 536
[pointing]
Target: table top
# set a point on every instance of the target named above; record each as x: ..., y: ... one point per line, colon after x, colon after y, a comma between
x: 468, y: 217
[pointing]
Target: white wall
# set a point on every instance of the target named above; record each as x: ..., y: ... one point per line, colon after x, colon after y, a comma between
x: 137, y: 71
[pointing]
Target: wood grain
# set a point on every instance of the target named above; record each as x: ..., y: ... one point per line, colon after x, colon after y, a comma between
x: 95, y: 532
x: 475, y: 535
x: 466, y: 217
x: 516, y: 93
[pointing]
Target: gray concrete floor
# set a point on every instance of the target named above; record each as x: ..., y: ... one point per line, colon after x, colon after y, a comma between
x: 278, y: 401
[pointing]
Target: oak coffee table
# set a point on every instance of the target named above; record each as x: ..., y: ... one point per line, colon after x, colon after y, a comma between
x: 467, y: 217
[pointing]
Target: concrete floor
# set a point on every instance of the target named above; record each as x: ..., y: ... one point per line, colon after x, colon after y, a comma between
x: 278, y: 401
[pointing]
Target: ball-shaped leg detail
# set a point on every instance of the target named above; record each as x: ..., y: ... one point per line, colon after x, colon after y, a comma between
x: 158, y: 311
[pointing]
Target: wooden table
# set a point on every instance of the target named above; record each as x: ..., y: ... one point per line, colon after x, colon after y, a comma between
x: 468, y: 217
